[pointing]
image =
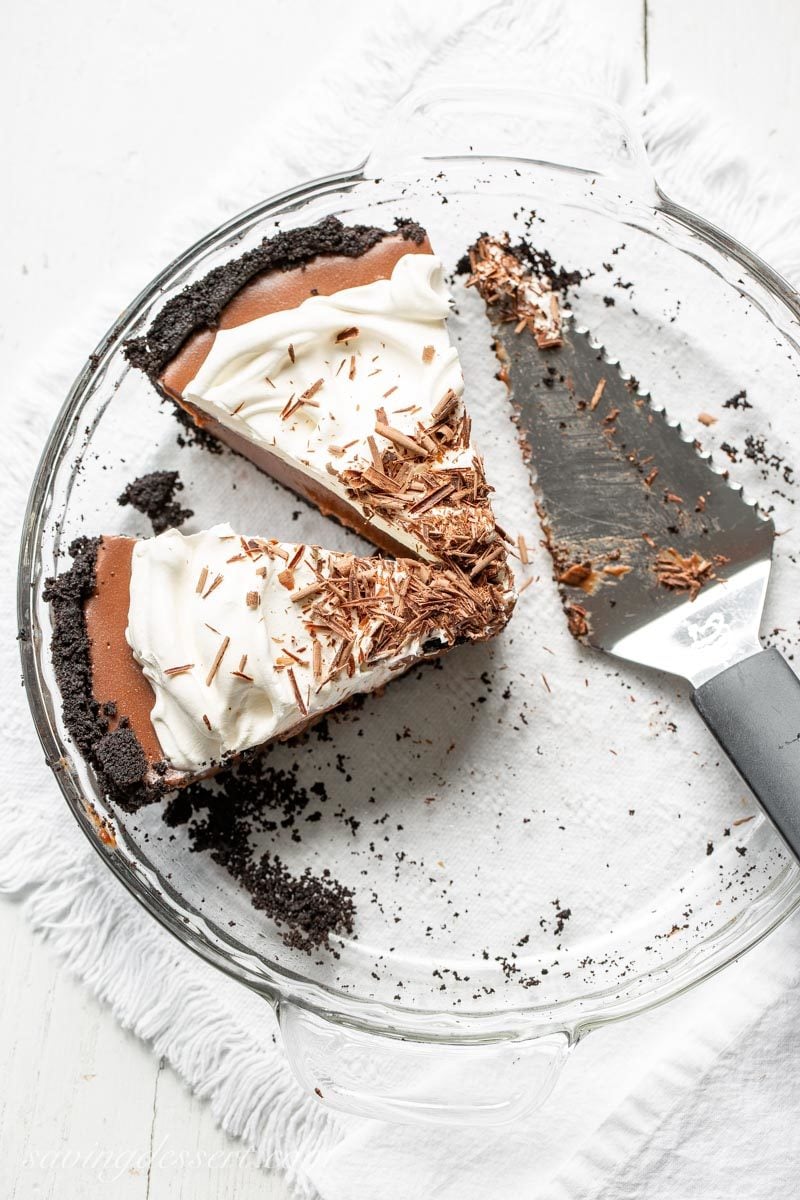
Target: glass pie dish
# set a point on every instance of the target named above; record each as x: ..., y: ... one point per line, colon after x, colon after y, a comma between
x: 540, y: 840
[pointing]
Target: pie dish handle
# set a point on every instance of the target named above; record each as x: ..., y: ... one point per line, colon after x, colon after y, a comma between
x: 419, y: 1082
x: 583, y: 134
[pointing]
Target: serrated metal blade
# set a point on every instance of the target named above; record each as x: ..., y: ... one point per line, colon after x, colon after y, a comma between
x: 621, y: 495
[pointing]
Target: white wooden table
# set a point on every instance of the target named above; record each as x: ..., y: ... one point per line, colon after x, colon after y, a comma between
x: 86, y: 75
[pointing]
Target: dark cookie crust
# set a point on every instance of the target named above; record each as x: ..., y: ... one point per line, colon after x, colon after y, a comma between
x: 115, y: 754
x: 251, y: 798
x: 66, y: 595
x: 154, y: 495
x: 199, y: 305
x: 541, y: 262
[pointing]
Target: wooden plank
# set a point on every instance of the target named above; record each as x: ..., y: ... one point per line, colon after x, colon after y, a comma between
x: 739, y: 59
x: 194, y: 1160
x: 74, y: 1085
x: 87, y: 1110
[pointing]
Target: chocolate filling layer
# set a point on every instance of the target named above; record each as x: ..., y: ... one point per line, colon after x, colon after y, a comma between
x: 95, y: 722
x: 116, y: 675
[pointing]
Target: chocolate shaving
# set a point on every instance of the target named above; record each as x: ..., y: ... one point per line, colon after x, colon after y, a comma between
x: 686, y: 573
x: 400, y: 439
x: 226, y: 641
x: 214, y: 585
x: 576, y: 620
x: 384, y: 483
x: 575, y: 575
x: 300, y: 702
x: 433, y: 498
x: 598, y: 395
x: 295, y: 558
x: 304, y: 592
x: 312, y: 391
x: 443, y: 408
x: 375, y: 454
x: 488, y: 557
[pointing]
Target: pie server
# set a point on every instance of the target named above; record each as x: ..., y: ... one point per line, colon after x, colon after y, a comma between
x: 659, y: 559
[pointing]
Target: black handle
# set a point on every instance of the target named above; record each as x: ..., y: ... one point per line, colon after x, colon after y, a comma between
x: 753, y: 710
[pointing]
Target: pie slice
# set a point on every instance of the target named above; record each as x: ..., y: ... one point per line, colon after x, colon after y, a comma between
x: 176, y: 653
x: 323, y: 356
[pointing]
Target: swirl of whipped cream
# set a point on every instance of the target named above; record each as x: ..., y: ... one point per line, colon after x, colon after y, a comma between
x: 306, y: 382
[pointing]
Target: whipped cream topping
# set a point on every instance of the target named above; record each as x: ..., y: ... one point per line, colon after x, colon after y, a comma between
x: 308, y: 383
x: 226, y: 631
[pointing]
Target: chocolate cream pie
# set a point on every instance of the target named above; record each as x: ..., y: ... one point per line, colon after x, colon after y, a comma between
x: 323, y: 356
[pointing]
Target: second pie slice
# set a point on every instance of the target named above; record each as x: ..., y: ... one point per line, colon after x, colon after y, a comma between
x: 176, y: 654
